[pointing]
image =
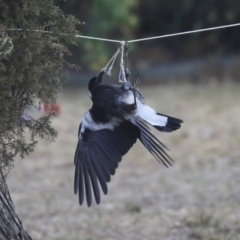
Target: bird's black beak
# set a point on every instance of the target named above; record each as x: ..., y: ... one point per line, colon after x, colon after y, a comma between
x: 99, y: 77
x: 95, y: 81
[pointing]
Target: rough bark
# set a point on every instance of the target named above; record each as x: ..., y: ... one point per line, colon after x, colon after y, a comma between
x: 10, y: 225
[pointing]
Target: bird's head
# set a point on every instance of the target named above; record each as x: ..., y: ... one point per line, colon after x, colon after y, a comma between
x: 95, y: 81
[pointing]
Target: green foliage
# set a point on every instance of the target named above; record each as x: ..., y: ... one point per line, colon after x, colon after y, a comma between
x: 125, y: 20
x: 164, y: 17
x: 104, y: 19
x: 116, y: 22
x: 30, y: 66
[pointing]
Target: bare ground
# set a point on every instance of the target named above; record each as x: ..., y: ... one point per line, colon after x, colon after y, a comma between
x: 198, y: 198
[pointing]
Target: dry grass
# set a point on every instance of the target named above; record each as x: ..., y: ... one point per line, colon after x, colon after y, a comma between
x: 198, y: 198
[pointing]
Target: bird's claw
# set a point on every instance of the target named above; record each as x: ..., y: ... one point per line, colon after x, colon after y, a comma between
x: 135, y: 84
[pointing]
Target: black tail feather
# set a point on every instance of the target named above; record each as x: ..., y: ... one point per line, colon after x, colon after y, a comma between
x: 172, y: 124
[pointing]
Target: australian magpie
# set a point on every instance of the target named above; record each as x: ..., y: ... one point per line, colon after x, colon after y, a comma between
x: 117, y: 118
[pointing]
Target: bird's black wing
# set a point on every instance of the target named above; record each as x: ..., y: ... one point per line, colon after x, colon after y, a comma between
x: 97, y: 156
x: 153, y: 145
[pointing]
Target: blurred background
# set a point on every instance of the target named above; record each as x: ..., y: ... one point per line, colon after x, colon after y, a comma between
x: 193, y: 77
x: 198, y: 56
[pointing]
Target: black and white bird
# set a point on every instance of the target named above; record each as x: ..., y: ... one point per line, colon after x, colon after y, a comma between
x: 117, y: 118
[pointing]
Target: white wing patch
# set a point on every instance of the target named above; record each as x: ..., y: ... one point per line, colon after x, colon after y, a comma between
x: 88, y: 122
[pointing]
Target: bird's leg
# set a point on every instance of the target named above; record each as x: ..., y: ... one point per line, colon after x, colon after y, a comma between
x: 135, y: 84
x: 125, y: 51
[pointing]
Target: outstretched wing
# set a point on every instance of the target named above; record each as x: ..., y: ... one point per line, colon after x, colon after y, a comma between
x: 97, y: 156
x: 152, y: 144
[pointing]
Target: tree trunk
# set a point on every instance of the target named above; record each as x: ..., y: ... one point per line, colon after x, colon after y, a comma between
x: 10, y: 225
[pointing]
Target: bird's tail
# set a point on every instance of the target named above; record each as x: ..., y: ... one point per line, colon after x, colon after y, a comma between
x: 161, y: 122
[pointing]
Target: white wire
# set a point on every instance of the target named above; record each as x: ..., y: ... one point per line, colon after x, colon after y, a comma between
x: 182, y: 33
x: 29, y: 30
x: 50, y: 32
x: 131, y: 41
x: 101, y: 39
